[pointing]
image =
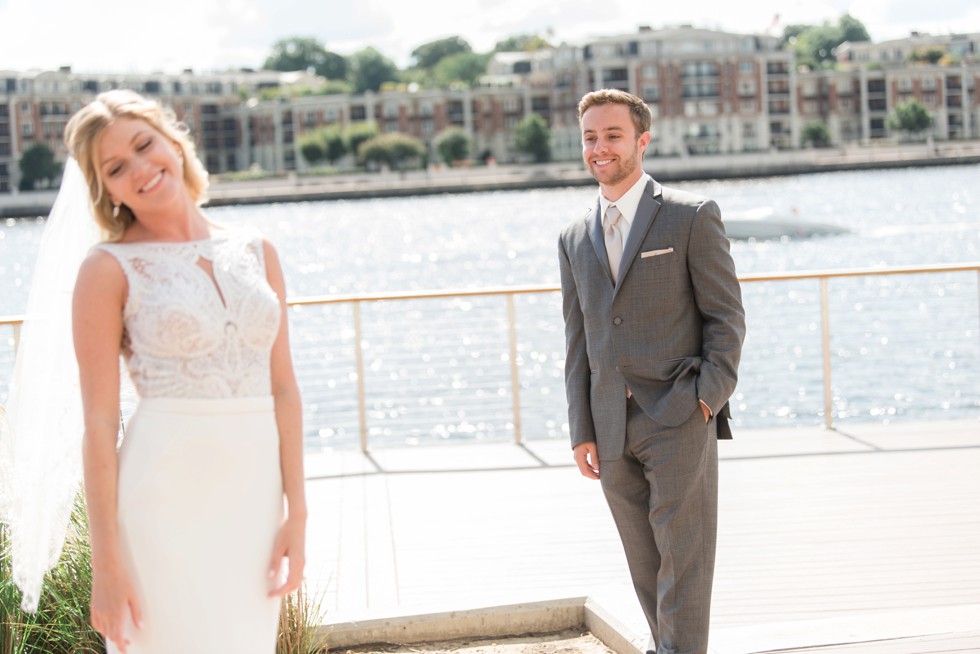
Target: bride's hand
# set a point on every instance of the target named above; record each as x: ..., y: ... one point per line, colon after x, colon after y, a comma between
x: 290, y: 544
x: 113, y: 603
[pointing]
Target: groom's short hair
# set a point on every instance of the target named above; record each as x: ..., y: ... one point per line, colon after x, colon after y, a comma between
x: 639, y: 111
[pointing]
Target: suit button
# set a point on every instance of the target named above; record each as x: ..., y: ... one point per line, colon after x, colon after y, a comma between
x: 617, y: 321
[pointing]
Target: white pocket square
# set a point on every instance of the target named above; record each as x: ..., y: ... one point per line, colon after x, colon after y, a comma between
x: 655, y: 253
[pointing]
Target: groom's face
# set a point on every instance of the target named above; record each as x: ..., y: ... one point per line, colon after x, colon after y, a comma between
x: 611, y: 148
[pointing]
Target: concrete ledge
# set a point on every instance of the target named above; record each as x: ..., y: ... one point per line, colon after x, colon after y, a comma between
x: 507, y: 620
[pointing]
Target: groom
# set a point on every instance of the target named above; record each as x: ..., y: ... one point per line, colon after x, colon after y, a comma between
x: 654, y: 327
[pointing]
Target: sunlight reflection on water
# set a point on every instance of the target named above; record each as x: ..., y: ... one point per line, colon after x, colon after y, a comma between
x: 438, y: 370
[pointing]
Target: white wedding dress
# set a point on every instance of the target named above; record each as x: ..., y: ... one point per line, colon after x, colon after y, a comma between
x: 200, y: 490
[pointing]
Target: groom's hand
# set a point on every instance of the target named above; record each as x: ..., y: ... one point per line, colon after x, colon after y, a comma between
x: 706, y: 411
x: 587, y: 459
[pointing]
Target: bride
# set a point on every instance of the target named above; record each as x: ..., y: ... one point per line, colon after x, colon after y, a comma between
x: 197, y: 518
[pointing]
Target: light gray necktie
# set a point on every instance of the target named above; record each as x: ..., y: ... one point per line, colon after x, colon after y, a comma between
x: 614, y: 240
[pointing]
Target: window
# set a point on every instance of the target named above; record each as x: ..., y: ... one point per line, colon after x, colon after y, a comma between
x: 746, y: 67
x: 700, y: 90
x: 614, y: 75
x: 700, y: 69
x: 650, y: 70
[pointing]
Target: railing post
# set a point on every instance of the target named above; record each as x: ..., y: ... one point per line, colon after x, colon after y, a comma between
x: 359, y: 365
x: 515, y: 378
x: 828, y: 399
x: 16, y: 327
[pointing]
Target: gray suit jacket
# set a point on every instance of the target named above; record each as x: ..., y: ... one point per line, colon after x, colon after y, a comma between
x: 672, y: 328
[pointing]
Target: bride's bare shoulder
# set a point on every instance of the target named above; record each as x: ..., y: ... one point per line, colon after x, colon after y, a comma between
x: 100, y: 271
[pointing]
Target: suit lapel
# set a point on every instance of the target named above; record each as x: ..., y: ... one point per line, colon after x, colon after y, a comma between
x: 646, y: 213
x: 598, y: 240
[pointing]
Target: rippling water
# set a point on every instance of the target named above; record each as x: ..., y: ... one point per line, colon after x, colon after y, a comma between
x: 903, y: 347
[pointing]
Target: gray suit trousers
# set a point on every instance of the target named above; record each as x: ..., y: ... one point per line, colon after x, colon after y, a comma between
x: 663, y: 495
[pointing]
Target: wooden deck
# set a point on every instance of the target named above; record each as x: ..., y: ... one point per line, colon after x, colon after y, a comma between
x: 861, y: 540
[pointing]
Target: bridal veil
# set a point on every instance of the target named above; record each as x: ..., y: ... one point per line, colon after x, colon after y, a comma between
x: 40, y: 442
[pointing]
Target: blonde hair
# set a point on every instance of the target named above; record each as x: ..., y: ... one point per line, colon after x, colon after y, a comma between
x: 82, y: 135
x: 639, y: 111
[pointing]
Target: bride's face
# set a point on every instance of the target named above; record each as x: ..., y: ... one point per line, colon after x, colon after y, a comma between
x: 140, y: 167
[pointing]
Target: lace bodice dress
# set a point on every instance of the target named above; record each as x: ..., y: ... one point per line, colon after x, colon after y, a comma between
x: 200, y: 496
x: 191, y: 332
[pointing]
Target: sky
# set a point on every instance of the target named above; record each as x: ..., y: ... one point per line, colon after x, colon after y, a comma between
x: 210, y: 35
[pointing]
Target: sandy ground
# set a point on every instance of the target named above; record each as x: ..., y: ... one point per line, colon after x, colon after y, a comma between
x: 572, y: 641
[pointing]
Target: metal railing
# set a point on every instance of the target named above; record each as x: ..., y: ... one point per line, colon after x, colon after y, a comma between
x: 510, y: 293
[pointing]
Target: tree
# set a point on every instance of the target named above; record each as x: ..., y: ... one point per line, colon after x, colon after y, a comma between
x: 303, y: 53
x: 334, y: 143
x: 37, y: 164
x: 533, y: 136
x: 911, y: 117
x: 326, y: 143
x: 393, y: 149
x: 369, y: 69
x: 522, y: 43
x: 429, y: 54
x: 816, y: 134
x: 852, y: 29
x: 464, y: 68
x: 815, y: 45
x: 358, y: 133
x: 311, y: 147
x: 930, y: 55
x: 453, y: 144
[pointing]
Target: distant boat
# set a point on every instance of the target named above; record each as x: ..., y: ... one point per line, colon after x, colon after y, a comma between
x: 762, y: 223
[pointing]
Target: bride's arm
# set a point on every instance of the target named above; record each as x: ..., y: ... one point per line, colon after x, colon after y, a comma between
x: 100, y: 292
x: 291, y: 540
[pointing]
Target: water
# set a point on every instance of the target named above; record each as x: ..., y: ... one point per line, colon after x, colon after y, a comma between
x: 904, y: 347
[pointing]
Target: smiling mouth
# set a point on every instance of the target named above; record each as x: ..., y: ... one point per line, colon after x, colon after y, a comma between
x: 150, y: 185
x: 602, y: 162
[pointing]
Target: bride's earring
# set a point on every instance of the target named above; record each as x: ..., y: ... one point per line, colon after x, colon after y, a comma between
x: 115, y: 210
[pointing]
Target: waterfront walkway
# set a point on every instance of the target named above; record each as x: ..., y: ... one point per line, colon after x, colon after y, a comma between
x: 865, y: 539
